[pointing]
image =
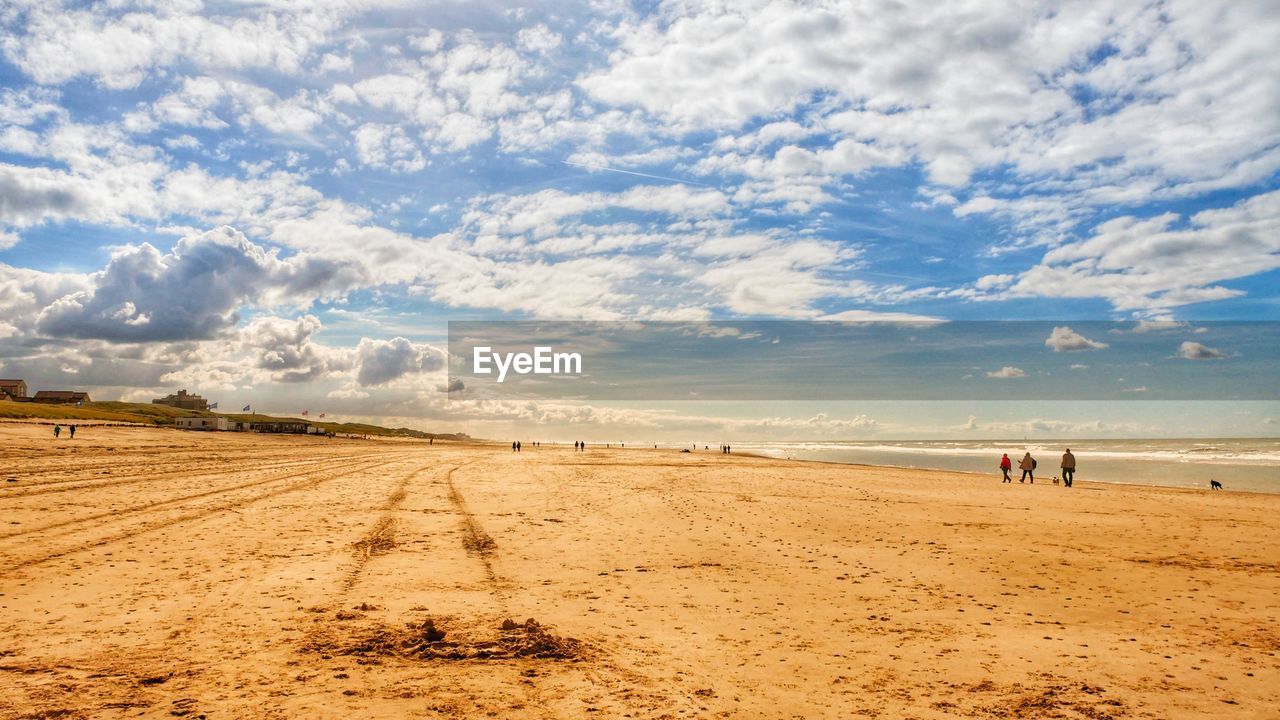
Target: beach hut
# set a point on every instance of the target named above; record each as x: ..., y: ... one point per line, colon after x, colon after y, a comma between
x: 203, y: 423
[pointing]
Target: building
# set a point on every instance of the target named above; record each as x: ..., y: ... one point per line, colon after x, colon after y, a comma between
x: 183, y: 400
x: 15, y: 389
x: 61, y: 397
x: 204, y: 423
x: 297, y: 427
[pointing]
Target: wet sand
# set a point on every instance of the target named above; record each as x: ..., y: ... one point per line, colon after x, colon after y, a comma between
x: 157, y: 574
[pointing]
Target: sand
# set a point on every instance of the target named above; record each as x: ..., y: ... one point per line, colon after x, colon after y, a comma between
x: 156, y: 573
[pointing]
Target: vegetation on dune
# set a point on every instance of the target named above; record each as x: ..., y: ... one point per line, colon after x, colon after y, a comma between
x: 163, y: 415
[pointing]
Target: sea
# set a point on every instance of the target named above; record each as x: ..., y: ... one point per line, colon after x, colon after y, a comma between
x: 1248, y: 464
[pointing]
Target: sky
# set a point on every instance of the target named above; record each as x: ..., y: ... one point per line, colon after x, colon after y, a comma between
x: 284, y: 203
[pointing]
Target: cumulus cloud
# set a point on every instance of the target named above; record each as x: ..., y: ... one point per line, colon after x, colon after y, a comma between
x: 379, y: 362
x: 1064, y: 339
x: 1190, y: 350
x: 190, y: 293
x: 286, y: 349
x: 386, y: 146
x: 1006, y: 372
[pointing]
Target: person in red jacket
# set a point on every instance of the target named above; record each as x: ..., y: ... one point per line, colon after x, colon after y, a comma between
x: 1005, y: 466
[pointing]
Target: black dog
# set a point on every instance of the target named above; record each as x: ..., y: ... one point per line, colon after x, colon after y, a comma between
x: 1215, y: 485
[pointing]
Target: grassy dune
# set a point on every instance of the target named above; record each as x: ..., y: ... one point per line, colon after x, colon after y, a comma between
x: 162, y: 415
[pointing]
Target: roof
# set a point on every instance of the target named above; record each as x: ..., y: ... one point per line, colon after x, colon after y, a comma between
x: 10, y: 383
x: 70, y: 394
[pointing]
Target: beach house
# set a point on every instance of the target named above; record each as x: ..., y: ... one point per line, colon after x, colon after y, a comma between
x: 297, y: 427
x: 61, y: 397
x: 13, y: 390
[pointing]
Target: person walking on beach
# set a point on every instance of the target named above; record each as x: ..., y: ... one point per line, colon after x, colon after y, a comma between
x: 1068, y: 467
x: 513, y: 446
x: 1028, y: 466
x: 57, y: 431
x: 1005, y: 466
x: 72, y: 429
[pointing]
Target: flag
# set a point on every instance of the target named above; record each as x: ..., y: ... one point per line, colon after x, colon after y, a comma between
x: 304, y: 413
x: 244, y: 409
x: 321, y: 416
x: 213, y: 406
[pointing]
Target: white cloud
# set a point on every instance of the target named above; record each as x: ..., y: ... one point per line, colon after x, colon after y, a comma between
x: 190, y: 293
x: 287, y: 350
x: 1064, y: 339
x: 1152, y: 264
x: 538, y: 38
x: 55, y: 44
x: 1006, y: 372
x: 1149, y: 326
x: 386, y: 146
x: 1189, y: 350
x: 379, y: 362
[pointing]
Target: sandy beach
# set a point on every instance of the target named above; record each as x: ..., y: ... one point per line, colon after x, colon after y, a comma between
x: 155, y: 573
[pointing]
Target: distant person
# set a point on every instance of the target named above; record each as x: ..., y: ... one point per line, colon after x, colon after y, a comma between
x: 1005, y: 466
x: 72, y: 429
x: 1068, y: 467
x: 1028, y: 466
x: 57, y: 431
x: 519, y: 447
x: 728, y: 449
x: 513, y: 446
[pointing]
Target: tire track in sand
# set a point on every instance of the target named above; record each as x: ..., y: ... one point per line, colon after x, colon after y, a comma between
x: 381, y: 538
x: 476, y: 541
x: 147, y: 507
x: 146, y: 527
x: 60, y: 486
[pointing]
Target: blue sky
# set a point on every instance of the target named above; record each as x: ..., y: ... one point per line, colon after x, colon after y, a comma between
x: 285, y: 202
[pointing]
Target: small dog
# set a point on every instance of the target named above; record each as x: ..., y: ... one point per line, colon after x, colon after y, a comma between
x: 1215, y: 485
x: 1055, y: 479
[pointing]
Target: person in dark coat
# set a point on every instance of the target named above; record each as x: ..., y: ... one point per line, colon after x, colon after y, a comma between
x: 1068, y: 467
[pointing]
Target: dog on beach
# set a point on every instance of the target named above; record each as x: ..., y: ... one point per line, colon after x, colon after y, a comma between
x: 1055, y: 479
x: 1215, y: 485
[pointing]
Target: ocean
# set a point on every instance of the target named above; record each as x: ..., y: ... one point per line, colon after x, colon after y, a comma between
x: 1238, y: 463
